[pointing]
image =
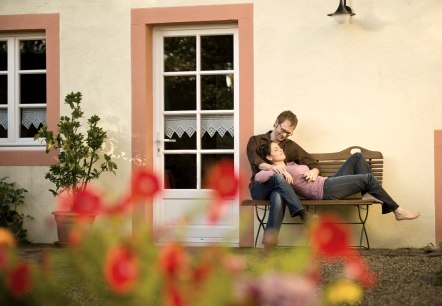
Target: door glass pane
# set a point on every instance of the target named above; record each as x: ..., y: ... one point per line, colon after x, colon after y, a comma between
x: 181, y: 129
x: 217, y: 92
x: 33, y: 88
x: 217, y: 131
x: 207, y: 162
x: 179, y: 93
x: 3, y: 89
x: 33, y: 54
x: 3, y: 56
x: 32, y: 119
x: 217, y: 52
x: 180, y: 53
x: 3, y: 123
x: 180, y: 171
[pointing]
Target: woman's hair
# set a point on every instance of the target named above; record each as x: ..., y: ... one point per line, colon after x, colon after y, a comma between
x: 287, y: 115
x: 264, y: 150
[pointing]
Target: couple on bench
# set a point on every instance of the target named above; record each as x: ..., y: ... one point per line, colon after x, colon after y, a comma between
x: 282, y: 170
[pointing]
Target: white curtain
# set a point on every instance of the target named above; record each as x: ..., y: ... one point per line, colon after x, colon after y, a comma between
x: 33, y: 117
x: 4, y: 118
x: 210, y: 124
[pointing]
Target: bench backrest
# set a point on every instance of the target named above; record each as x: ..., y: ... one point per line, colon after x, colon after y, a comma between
x: 331, y: 162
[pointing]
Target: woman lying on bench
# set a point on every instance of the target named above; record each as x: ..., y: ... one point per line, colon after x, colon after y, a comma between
x: 353, y: 177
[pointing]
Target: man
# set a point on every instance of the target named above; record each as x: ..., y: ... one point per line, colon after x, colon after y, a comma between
x: 278, y: 189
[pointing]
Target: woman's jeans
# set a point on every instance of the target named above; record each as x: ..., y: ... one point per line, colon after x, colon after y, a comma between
x: 281, y: 194
x: 353, y: 177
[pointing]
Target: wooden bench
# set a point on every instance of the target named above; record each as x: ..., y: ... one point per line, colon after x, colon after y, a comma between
x: 329, y: 164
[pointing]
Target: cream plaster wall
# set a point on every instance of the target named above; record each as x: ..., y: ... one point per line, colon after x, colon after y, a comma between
x: 373, y: 81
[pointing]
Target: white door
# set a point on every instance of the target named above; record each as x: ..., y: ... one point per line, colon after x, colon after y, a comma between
x: 195, y: 119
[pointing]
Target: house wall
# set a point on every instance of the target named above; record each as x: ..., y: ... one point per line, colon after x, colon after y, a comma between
x: 372, y: 81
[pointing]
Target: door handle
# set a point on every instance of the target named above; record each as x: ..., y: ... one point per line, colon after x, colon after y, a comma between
x: 159, y: 140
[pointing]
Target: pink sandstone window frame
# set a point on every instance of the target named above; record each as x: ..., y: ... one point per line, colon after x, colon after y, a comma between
x: 142, y: 22
x: 49, y: 24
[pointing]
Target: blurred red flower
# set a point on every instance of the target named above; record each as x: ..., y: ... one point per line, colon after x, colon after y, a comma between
x: 87, y: 203
x: 172, y: 260
x: 173, y: 296
x: 20, y: 279
x: 121, y: 269
x: 145, y: 184
x: 330, y: 238
x: 357, y: 269
x: 223, y: 180
x: 3, y: 257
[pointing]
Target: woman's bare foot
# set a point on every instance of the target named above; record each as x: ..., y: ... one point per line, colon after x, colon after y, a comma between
x: 403, y: 214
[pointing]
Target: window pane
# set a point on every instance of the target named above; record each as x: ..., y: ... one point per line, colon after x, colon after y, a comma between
x: 182, y: 129
x: 32, y: 119
x: 180, y: 53
x: 207, y: 162
x: 217, y: 92
x: 3, y: 56
x: 3, y: 123
x: 217, y: 131
x: 3, y: 89
x: 180, y: 171
x: 179, y: 93
x: 33, y: 54
x: 217, y: 52
x: 33, y: 88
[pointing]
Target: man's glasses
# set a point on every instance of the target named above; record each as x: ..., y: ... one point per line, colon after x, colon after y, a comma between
x: 285, y: 131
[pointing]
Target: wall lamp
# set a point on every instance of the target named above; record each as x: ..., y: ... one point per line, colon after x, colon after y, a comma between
x: 342, y: 9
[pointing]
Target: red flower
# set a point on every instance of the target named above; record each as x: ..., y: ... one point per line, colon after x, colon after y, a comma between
x: 87, y: 203
x: 357, y: 269
x: 172, y: 260
x: 223, y: 180
x: 330, y: 238
x: 3, y: 257
x: 145, y: 184
x: 173, y: 296
x: 201, y: 272
x: 20, y: 279
x: 121, y: 269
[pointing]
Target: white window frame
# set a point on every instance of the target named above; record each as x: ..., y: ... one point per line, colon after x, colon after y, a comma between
x: 158, y: 70
x: 14, y: 141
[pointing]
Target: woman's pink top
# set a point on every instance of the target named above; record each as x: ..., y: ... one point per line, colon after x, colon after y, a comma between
x: 313, y: 190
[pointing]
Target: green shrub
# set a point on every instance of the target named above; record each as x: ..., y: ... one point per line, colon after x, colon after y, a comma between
x: 10, y: 197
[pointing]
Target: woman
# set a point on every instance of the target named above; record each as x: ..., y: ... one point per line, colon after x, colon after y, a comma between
x: 353, y: 177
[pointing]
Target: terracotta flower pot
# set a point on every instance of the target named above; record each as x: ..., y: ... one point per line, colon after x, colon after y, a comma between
x: 67, y: 221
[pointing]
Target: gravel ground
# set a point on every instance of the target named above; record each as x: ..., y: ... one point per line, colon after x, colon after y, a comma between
x: 404, y: 275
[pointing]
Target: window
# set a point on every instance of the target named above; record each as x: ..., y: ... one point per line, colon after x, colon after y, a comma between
x: 22, y: 88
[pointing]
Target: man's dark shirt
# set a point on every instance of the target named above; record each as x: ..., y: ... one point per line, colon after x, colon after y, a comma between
x: 293, y: 152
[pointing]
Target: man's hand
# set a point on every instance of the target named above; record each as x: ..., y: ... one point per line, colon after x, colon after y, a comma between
x: 311, y: 175
x: 288, y: 177
x: 279, y: 169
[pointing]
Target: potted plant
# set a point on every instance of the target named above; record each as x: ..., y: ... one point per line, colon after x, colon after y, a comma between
x: 80, y: 158
x: 12, y: 196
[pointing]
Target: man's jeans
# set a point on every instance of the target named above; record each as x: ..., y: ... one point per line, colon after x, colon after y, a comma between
x: 355, y: 176
x: 281, y: 194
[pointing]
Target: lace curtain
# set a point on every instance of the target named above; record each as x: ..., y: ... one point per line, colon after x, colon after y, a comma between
x: 29, y: 117
x: 4, y: 118
x: 210, y: 124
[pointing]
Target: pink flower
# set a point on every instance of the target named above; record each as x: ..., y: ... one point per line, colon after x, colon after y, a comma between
x: 121, y: 269
x: 357, y: 269
x: 20, y: 279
